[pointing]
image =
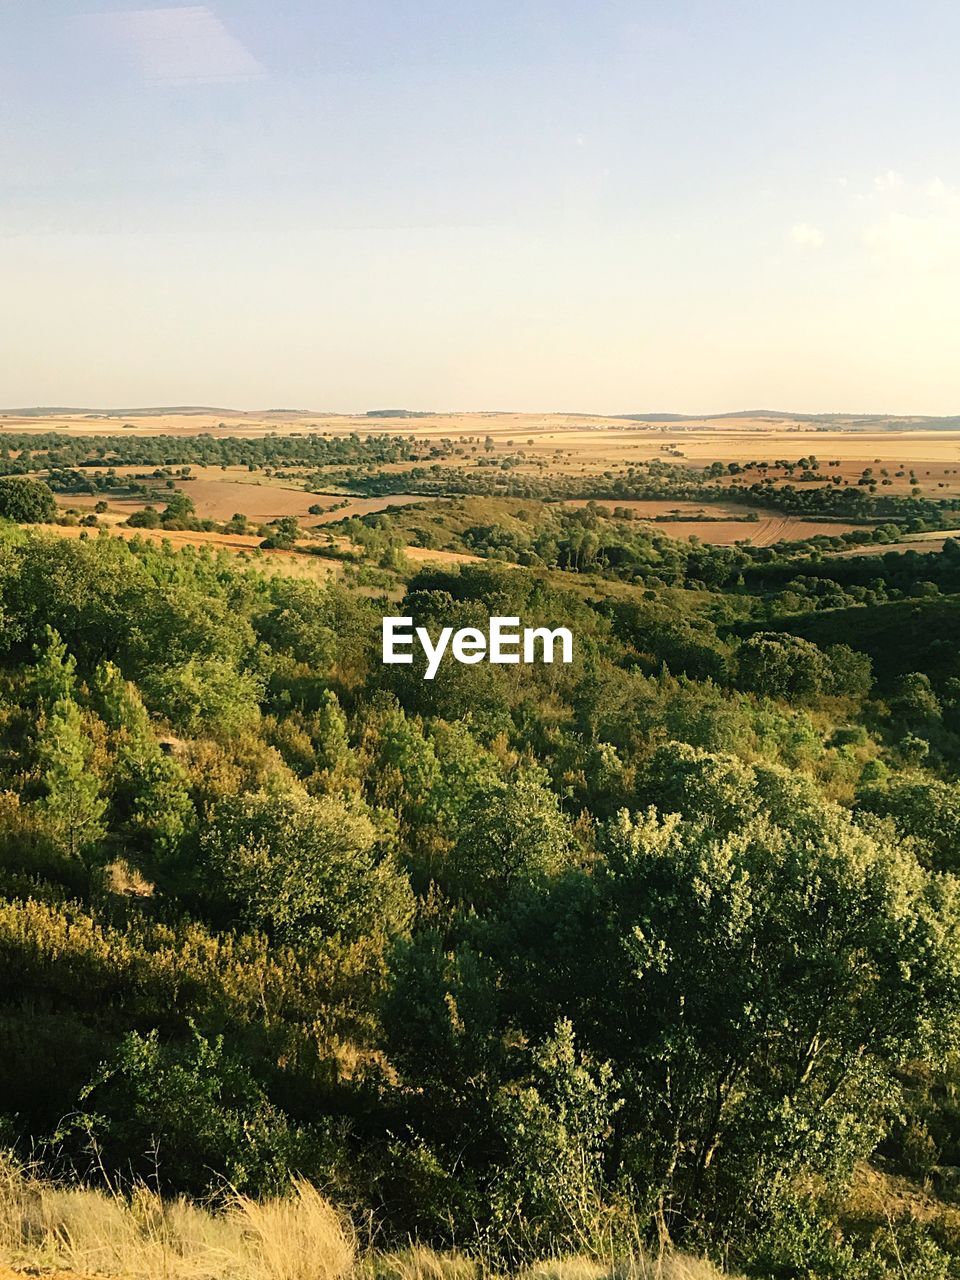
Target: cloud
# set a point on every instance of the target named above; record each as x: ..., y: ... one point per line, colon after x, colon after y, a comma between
x: 919, y: 231
x: 917, y: 243
x: 941, y: 195
x: 175, y: 45
x: 889, y: 181
x: 805, y: 236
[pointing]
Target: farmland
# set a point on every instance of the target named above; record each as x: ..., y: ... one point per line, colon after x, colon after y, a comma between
x: 807, y: 470
x: 568, y: 442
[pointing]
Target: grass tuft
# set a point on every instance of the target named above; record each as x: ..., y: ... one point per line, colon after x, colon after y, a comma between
x: 91, y: 1233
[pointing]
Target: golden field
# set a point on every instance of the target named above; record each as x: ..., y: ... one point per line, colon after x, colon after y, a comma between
x: 572, y: 442
x: 563, y: 444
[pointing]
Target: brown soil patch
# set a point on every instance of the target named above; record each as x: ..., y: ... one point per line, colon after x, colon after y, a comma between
x: 221, y: 499
x: 760, y: 533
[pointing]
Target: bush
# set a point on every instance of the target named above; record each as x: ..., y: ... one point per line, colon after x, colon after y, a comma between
x: 26, y: 501
x: 191, y: 1113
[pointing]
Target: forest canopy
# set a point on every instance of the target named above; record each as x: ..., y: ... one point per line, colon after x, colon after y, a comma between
x: 665, y: 939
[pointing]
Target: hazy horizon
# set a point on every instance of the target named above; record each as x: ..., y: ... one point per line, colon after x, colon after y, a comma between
x: 173, y: 407
x: 689, y: 205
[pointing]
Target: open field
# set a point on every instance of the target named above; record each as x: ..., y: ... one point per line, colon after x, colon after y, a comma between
x: 704, y: 521
x: 660, y: 508
x: 287, y: 562
x: 761, y: 533
x: 923, y: 542
x: 219, y: 495
x: 581, y: 443
x: 362, y: 506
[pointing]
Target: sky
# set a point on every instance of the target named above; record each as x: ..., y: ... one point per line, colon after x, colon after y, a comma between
x: 605, y: 206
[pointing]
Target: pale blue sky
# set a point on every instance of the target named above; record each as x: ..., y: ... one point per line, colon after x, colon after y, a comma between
x: 547, y: 204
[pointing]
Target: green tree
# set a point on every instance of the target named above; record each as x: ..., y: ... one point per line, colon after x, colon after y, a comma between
x: 190, y: 1112
x: 150, y: 800
x: 54, y: 674
x: 781, y: 666
x: 26, y: 500
x: 556, y: 1130
x: 771, y: 984
x: 303, y: 867
x: 512, y: 835
x: 72, y: 806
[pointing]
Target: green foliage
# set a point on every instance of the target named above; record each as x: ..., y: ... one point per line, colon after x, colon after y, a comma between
x: 514, y: 958
x: 513, y: 836
x: 198, y: 1111
x: 555, y: 1130
x: 302, y: 867
x: 775, y: 979
x: 72, y: 804
x: 27, y: 501
x: 789, y: 667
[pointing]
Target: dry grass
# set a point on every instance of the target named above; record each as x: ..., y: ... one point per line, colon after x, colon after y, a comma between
x: 77, y: 1232
x: 289, y: 563
x: 418, y: 1263
x: 640, y: 1266
x: 142, y: 1237
x: 760, y: 533
x: 300, y: 1237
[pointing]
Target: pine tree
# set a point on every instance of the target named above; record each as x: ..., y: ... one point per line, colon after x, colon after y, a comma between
x: 73, y: 806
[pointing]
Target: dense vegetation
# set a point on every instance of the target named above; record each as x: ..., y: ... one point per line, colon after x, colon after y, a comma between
x: 599, y: 541
x: 665, y: 940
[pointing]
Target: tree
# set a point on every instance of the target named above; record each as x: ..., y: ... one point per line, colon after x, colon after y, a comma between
x: 303, y: 867
x: 926, y: 810
x: 197, y: 1108
x: 513, y: 834
x: 771, y: 983
x: 150, y: 798
x: 26, y: 500
x: 55, y: 673
x: 73, y: 806
x: 914, y: 703
x: 555, y: 1131
x: 779, y: 665
x: 283, y: 534
x: 205, y: 692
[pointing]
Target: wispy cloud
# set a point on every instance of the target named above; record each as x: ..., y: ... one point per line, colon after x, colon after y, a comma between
x: 178, y: 44
x: 806, y: 236
x: 930, y: 244
x: 919, y: 230
x: 889, y: 181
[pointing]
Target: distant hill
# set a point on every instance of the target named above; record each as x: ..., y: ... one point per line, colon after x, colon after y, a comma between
x: 853, y: 421
x: 882, y: 421
x: 46, y: 411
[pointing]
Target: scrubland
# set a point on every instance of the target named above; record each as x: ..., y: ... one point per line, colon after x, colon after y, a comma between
x: 566, y: 971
